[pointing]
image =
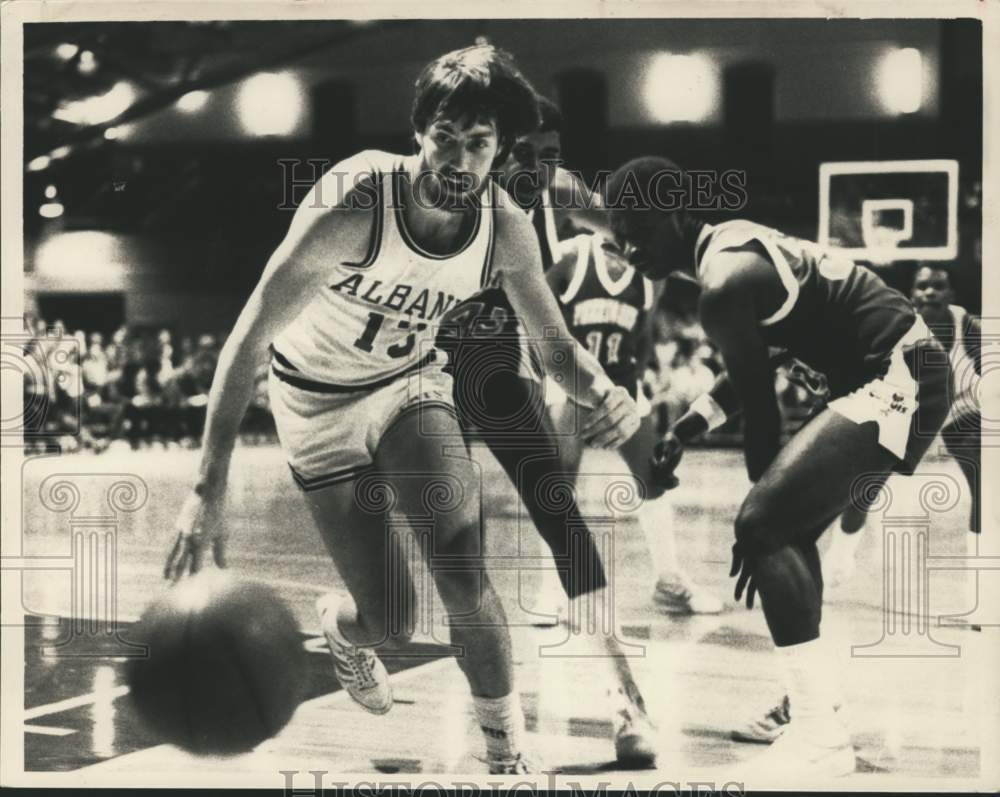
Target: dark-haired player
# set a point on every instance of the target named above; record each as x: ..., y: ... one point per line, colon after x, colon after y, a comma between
x: 347, y: 305
x: 610, y: 308
x: 889, y: 393
x: 498, y: 394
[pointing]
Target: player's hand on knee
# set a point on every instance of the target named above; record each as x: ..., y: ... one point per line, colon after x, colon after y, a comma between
x: 199, y: 529
x: 666, y: 457
x: 613, y: 421
x: 742, y: 568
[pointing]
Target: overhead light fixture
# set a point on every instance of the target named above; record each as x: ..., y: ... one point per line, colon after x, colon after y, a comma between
x: 900, y: 80
x: 51, y: 210
x: 99, y: 109
x: 66, y: 50
x: 271, y: 104
x: 681, y: 88
x: 39, y: 164
x: 192, y: 101
x: 50, y: 192
x: 87, y: 63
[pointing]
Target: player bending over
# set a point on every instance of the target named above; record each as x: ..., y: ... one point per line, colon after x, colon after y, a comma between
x: 890, y: 397
x: 379, y: 250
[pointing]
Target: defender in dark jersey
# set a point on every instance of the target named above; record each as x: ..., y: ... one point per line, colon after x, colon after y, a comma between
x: 609, y: 307
x: 499, y: 398
x: 888, y: 380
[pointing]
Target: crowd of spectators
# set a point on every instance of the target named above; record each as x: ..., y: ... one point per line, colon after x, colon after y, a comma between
x: 85, y: 390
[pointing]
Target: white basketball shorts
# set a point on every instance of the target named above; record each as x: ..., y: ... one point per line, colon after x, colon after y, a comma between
x: 330, y: 438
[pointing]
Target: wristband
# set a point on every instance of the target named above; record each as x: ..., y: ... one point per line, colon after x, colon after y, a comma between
x: 709, y: 409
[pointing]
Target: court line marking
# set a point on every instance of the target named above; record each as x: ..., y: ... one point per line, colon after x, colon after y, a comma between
x: 73, y: 702
x: 46, y: 730
x: 332, y: 698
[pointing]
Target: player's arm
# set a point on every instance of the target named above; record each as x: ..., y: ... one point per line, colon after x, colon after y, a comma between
x: 518, y: 259
x: 561, y: 272
x: 647, y: 335
x: 319, y: 234
x: 577, y: 209
x: 729, y: 316
x: 712, y: 409
x: 972, y: 338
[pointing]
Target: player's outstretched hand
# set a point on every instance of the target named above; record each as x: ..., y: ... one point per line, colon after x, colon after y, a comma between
x: 613, y: 421
x: 666, y: 457
x: 742, y: 567
x: 199, y: 529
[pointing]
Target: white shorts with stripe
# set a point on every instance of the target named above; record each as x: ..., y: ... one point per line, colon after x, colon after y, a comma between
x: 331, y: 438
x: 889, y: 401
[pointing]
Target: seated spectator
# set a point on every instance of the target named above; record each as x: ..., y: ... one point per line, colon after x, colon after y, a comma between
x: 143, y: 418
x: 187, y: 395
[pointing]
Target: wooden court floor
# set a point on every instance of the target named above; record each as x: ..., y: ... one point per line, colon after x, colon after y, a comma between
x: 921, y: 696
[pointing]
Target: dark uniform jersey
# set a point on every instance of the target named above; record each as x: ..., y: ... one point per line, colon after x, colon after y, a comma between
x: 606, y: 311
x: 485, y: 325
x: 838, y: 317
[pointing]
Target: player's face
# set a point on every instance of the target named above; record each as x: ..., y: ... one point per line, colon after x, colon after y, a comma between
x: 458, y: 155
x: 649, y: 239
x: 931, y: 290
x: 531, y: 166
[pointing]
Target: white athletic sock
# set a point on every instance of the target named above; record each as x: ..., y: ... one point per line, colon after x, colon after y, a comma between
x: 811, y: 689
x: 502, y: 722
x: 657, y: 520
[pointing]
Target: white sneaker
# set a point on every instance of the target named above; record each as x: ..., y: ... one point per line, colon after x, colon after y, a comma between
x: 677, y: 596
x: 819, y: 748
x: 635, y: 736
x: 359, y: 670
x: 518, y: 765
x: 767, y: 728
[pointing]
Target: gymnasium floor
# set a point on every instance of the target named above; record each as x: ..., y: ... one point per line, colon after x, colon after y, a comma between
x: 922, y: 701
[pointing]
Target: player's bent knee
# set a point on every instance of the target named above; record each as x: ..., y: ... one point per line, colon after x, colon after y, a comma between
x: 755, y: 527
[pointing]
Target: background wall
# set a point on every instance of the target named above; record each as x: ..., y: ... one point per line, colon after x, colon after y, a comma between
x: 179, y: 209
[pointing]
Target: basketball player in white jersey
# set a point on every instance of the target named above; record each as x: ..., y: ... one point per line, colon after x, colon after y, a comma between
x: 377, y: 252
x: 610, y: 308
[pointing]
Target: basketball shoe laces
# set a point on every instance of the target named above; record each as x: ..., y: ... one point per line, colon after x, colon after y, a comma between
x: 361, y: 663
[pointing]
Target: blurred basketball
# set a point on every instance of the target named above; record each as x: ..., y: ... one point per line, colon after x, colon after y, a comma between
x: 225, y: 668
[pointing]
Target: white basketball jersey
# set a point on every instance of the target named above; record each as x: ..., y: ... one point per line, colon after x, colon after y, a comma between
x: 964, y: 379
x: 377, y: 319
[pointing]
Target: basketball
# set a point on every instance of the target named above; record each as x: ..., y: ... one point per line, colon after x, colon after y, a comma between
x: 225, y: 667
